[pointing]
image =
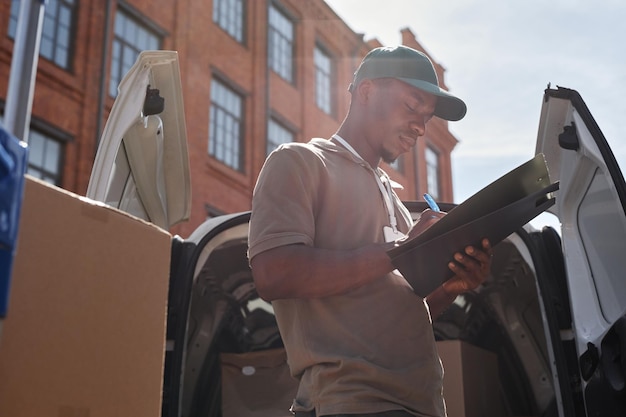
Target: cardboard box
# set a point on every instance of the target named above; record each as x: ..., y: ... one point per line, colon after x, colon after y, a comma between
x: 84, y: 334
x: 257, y: 384
x: 471, y: 386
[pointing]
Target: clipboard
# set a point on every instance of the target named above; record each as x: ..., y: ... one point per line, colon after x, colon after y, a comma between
x: 494, y: 213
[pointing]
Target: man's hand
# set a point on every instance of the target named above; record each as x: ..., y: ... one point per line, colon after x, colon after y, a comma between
x: 427, y: 218
x: 471, y: 269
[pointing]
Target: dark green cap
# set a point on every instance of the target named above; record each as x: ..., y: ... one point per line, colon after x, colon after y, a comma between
x: 414, y: 68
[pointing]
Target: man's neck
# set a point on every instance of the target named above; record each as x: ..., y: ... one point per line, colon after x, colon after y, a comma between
x: 360, y: 146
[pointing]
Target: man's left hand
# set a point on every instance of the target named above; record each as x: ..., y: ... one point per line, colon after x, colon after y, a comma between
x: 471, y: 269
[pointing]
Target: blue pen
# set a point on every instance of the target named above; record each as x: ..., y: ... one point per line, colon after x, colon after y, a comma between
x: 431, y: 202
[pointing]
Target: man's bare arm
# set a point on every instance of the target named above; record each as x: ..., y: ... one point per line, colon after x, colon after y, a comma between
x: 300, y: 271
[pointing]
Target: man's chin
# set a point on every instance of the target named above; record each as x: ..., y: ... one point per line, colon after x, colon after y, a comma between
x: 389, y: 158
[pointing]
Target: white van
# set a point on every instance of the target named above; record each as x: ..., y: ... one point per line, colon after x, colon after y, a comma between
x: 552, y: 312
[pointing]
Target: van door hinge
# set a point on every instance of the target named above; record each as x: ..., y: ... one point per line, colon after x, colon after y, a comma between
x: 568, y: 139
x: 154, y: 103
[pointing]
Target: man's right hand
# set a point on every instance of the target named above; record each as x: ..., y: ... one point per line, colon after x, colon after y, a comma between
x: 426, y: 220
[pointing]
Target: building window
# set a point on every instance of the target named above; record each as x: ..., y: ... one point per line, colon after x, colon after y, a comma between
x: 323, y: 80
x: 57, y: 32
x: 44, y: 157
x: 277, y: 134
x: 225, y: 125
x: 432, y: 172
x: 229, y: 15
x: 280, y: 40
x: 130, y: 38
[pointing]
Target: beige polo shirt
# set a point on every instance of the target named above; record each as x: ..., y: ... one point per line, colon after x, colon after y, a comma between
x: 366, y: 351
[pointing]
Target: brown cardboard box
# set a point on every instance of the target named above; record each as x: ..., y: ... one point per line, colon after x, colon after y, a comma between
x: 85, y: 331
x: 471, y: 386
x: 257, y: 384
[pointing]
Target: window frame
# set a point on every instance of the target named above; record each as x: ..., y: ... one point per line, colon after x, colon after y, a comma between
x: 49, y: 132
x: 328, y: 105
x: 238, y: 33
x: 283, y: 65
x: 433, y: 182
x: 52, y: 134
x: 71, y: 6
x: 118, y: 68
x: 284, y: 128
x: 238, y: 155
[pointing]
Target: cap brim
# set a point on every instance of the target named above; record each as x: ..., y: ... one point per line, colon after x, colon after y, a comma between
x: 448, y: 106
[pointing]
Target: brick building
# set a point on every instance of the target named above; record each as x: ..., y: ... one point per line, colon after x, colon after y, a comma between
x: 255, y: 73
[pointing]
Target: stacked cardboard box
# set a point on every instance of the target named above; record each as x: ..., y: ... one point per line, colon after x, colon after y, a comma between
x: 85, y: 329
x: 471, y: 385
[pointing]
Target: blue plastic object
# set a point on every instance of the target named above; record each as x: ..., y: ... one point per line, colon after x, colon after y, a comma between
x: 13, y: 164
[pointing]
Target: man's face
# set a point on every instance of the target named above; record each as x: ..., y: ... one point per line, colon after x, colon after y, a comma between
x: 397, y: 116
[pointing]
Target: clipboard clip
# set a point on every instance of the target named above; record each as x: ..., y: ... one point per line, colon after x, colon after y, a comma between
x: 547, y: 194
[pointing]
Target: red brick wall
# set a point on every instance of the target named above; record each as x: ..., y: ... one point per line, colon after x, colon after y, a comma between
x: 69, y: 101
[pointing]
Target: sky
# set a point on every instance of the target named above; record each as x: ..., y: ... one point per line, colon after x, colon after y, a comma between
x: 499, y: 58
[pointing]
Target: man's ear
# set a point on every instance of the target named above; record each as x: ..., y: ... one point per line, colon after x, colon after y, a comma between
x: 363, y: 90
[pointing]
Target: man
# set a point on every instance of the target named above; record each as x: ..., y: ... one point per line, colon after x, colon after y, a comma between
x: 357, y: 337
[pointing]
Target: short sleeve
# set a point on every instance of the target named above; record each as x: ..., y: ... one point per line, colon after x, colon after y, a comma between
x: 283, y: 201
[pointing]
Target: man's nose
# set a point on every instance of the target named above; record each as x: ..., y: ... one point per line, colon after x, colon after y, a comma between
x: 418, y: 126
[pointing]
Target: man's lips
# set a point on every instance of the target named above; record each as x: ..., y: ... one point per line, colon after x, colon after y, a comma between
x: 407, y: 142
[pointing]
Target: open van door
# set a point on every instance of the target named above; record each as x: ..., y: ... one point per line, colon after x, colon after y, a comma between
x: 142, y: 164
x: 591, y: 206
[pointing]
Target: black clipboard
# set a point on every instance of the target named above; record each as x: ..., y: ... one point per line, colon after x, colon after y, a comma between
x: 494, y: 212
